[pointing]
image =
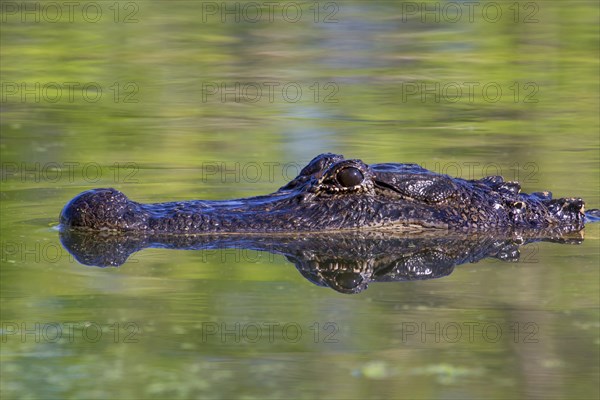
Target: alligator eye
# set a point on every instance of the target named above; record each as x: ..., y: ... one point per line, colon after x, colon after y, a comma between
x: 349, y: 177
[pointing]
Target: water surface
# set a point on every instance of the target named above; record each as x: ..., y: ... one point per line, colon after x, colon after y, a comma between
x: 176, y: 104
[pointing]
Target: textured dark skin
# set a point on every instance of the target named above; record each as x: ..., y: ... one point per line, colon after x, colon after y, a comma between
x: 332, y: 194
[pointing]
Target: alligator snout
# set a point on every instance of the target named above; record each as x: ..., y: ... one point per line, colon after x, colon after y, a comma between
x: 102, y: 209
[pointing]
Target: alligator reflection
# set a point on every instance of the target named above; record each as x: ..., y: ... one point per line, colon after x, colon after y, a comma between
x: 346, y: 262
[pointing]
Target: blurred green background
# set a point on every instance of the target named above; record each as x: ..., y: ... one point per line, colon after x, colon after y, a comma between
x: 170, y: 100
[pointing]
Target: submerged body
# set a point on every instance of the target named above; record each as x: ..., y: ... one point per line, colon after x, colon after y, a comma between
x: 331, y: 194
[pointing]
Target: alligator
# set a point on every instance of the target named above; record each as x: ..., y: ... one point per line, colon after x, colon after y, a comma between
x: 331, y: 194
x: 345, y: 261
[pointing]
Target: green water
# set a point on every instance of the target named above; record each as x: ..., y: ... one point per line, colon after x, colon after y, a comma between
x: 165, y: 101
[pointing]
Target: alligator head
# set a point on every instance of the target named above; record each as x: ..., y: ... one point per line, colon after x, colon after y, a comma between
x: 331, y: 194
